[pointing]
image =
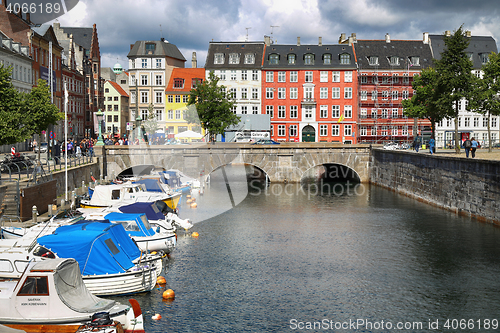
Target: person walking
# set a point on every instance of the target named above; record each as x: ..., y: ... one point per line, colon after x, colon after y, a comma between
x: 432, y: 144
x: 474, y: 145
x: 417, y: 142
x: 467, y: 146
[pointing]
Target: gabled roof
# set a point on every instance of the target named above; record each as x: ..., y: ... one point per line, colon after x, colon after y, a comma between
x: 81, y: 36
x: 477, y: 46
x: 187, y: 74
x: 241, y: 48
x: 118, y: 88
x: 404, y: 49
x: 161, y: 48
x: 318, y: 51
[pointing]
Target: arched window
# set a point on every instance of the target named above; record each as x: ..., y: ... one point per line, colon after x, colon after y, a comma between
x: 274, y: 59
x: 309, y: 59
x: 345, y: 59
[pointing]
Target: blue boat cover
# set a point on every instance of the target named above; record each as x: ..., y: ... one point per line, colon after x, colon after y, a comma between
x: 174, y: 179
x: 149, y: 208
x: 133, y: 223
x: 99, y: 247
x: 152, y: 185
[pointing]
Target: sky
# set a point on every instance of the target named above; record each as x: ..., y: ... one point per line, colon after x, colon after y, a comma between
x: 192, y: 24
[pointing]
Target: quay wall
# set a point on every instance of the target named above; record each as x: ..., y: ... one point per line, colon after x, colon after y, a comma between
x: 468, y: 187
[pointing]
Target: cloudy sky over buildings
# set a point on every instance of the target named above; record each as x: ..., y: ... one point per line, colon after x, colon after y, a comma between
x: 192, y: 24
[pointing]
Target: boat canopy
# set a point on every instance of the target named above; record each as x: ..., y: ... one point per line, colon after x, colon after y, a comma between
x: 134, y: 224
x: 98, y: 247
x: 152, y: 185
x: 70, y: 286
x: 149, y: 208
x: 136, y: 170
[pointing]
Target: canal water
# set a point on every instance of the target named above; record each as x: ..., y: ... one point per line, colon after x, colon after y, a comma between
x: 339, y: 258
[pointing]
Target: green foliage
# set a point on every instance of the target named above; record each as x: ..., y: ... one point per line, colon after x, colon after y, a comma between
x: 12, y: 129
x: 213, y: 107
x: 40, y: 112
x: 150, y: 124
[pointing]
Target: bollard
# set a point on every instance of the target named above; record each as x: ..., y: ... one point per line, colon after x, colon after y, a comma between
x: 50, y: 211
x: 73, y: 199
x: 34, y: 214
x: 63, y: 204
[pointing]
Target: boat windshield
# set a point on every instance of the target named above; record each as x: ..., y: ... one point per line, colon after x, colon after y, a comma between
x: 129, y: 225
x: 145, y: 221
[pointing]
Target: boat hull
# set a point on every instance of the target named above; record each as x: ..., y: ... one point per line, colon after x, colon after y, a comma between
x: 159, y: 242
x: 123, y: 283
x: 173, y: 200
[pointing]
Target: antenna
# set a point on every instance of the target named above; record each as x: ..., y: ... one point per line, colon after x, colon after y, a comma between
x: 247, y: 33
x: 161, y: 33
x: 273, y: 26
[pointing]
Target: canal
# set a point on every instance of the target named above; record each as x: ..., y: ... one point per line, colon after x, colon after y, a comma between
x: 340, y: 258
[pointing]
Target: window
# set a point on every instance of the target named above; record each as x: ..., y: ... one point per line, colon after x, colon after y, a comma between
x: 467, y: 121
x: 323, y: 130
x: 110, y: 98
x: 374, y: 95
x: 144, y: 80
x: 394, y: 61
x: 362, y: 131
x: 144, y: 63
x: 363, y: 113
x: 150, y: 48
x: 255, y: 93
x: 269, y: 76
x: 133, y: 81
x: 484, y: 58
x: 309, y: 76
x: 270, y: 110
x: 308, y: 112
x: 395, y: 94
x: 335, y: 93
x: 294, y: 76
x: 373, y: 60
x: 177, y: 114
x: 308, y: 92
x: 158, y: 63
x: 222, y: 75
x: 232, y: 93
x: 323, y: 111
x: 281, y: 76
x: 476, y: 121
x: 115, y: 98
x: 323, y: 76
x: 255, y: 75
x: 110, y: 118
x: 244, y: 93
x: 249, y: 58
x: 281, y: 111
x: 274, y: 59
x: 281, y: 93
x: 348, y: 111
x: 195, y: 82
x: 269, y: 93
x: 177, y: 98
x: 335, y: 76
x: 327, y: 59
x: 233, y: 75
x: 493, y: 122
x: 335, y: 111
x: 144, y: 97
x: 144, y: 114
x: 405, y: 94
x: 348, y: 93
x: 348, y: 76
x: 281, y: 130
x: 292, y: 59
x: 395, y: 78
x: 218, y: 58
x: 234, y: 58
x: 159, y: 80
x: 115, y: 107
x: 394, y: 130
x: 170, y: 114
x: 294, y: 111
x: 255, y: 109
x: 345, y: 59
x: 35, y: 285
x: 244, y: 75
x: 323, y: 92
x: 132, y: 97
x: 385, y: 95
x: 244, y: 109
x: 292, y: 130
x: 347, y: 130
x: 385, y: 114
x: 294, y: 93
x: 335, y: 130
x: 415, y: 61
x: 159, y: 97
x: 406, y: 78
x: 106, y: 90
x: 363, y: 95
x: 185, y: 98
x: 395, y: 113
x: 309, y: 59
x: 159, y: 115
x: 170, y: 98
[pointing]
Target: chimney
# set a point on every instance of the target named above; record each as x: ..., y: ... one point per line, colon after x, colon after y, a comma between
x: 447, y: 33
x: 57, y: 25
x: 387, y: 38
x: 353, y: 35
x: 350, y: 41
x: 468, y: 33
x: 131, y: 47
x: 320, y: 42
x: 194, y: 62
x: 28, y: 18
x: 426, y: 38
x: 267, y: 40
x: 298, y: 41
x: 4, y: 3
x: 342, y: 38
x: 70, y: 52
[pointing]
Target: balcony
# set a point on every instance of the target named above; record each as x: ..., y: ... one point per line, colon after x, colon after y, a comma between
x: 309, y: 101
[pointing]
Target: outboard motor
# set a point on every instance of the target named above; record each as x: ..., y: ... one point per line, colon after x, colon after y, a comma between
x: 101, y: 319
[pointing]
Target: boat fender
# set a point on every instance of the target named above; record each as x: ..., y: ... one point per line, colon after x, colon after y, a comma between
x: 100, y: 319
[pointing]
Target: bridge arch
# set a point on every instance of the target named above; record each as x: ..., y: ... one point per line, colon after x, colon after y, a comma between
x: 331, y: 172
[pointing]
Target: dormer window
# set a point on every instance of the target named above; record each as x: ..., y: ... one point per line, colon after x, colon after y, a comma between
x: 150, y: 48
x: 274, y: 59
x: 234, y: 58
x: 292, y: 59
x: 309, y: 59
x: 484, y: 58
x: 327, y: 59
x: 470, y: 55
x: 394, y: 61
x: 195, y: 82
x: 373, y: 60
x: 219, y: 58
x: 178, y: 83
x: 345, y: 59
x: 249, y: 58
x: 415, y: 61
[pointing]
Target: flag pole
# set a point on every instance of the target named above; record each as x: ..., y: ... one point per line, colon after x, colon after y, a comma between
x: 66, y: 140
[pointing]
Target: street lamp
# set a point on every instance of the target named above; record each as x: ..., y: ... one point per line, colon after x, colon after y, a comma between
x: 138, y: 126
x: 100, y: 117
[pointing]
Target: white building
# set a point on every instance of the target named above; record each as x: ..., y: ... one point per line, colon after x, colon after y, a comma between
x: 16, y: 56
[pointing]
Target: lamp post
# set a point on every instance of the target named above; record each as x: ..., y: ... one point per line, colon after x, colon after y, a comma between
x: 138, y: 121
x: 100, y: 117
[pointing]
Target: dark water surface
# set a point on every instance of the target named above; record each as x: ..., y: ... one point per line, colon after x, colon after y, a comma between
x: 286, y: 259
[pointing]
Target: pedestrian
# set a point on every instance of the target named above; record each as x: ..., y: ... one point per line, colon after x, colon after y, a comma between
x: 432, y: 144
x: 474, y: 146
x: 417, y: 142
x: 34, y: 144
x: 467, y: 145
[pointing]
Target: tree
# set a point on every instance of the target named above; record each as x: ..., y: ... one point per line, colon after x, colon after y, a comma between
x: 455, y: 76
x: 12, y: 115
x: 40, y: 112
x: 150, y: 124
x: 425, y: 101
x: 213, y: 106
x: 485, y: 100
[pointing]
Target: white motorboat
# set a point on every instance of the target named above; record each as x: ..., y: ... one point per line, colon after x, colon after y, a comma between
x: 50, y: 296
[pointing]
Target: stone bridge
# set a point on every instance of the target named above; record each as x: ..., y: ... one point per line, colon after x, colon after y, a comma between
x: 287, y: 162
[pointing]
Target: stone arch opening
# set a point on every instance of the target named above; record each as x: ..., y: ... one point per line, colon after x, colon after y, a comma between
x: 331, y: 173
x: 242, y: 172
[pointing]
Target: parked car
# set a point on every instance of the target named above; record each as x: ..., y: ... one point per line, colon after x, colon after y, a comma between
x: 42, y: 147
x: 496, y: 145
x: 266, y: 142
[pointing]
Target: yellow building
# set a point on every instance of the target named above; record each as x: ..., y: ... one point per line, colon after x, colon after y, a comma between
x: 116, y: 102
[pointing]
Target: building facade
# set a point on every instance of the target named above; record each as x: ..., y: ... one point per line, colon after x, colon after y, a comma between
x: 16, y: 56
x: 116, y: 110
x: 310, y: 92
x: 385, y: 75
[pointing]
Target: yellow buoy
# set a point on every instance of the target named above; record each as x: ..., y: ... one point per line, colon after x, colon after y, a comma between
x: 194, y: 205
x: 168, y: 294
x: 161, y: 280
x: 194, y: 234
x: 188, y: 196
x: 188, y: 201
x: 193, y: 199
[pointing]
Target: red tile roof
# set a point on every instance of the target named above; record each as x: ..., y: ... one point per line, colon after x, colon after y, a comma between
x: 188, y: 74
x: 118, y: 88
